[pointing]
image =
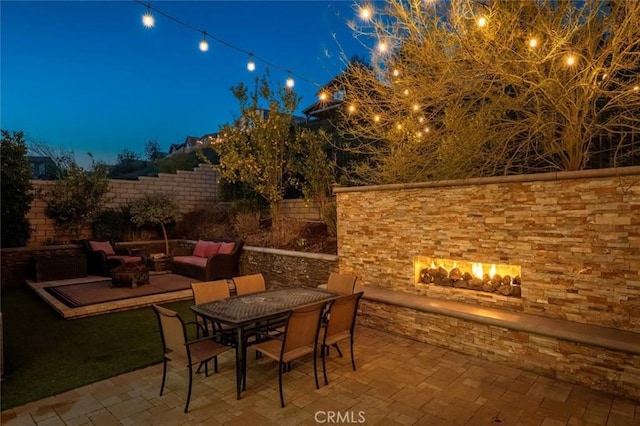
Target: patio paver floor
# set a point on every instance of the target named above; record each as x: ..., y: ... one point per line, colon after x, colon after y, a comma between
x: 398, y: 382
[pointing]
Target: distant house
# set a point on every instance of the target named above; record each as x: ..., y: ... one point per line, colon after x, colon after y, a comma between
x: 330, y: 102
x: 42, y: 168
x: 192, y: 142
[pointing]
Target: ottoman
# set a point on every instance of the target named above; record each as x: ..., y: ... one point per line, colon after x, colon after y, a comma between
x: 130, y: 274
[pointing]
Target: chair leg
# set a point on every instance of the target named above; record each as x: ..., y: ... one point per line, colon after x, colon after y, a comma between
x: 324, y: 365
x: 215, y: 364
x: 315, y: 366
x: 338, y: 348
x: 164, y: 374
x: 353, y: 360
x: 186, y: 407
x: 280, y: 366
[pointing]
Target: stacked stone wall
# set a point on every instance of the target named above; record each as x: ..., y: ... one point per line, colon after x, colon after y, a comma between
x: 192, y: 190
x: 284, y: 268
x: 576, y: 236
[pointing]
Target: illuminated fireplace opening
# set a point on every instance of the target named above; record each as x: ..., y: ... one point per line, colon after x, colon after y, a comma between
x: 492, y: 278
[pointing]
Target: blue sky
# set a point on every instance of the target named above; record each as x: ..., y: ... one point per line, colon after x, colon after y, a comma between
x: 88, y: 77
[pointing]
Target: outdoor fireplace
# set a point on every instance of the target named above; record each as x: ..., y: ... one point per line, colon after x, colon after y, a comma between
x: 491, y: 278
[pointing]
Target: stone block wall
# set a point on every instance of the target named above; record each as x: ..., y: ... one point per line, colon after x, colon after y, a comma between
x: 576, y: 236
x: 300, y: 209
x: 192, y: 189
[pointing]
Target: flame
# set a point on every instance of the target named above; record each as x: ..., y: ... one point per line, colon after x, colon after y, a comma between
x: 476, y: 268
x: 455, y: 265
x: 433, y: 265
x: 493, y: 271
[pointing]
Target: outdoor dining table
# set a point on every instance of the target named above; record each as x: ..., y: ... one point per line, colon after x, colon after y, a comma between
x: 242, y: 313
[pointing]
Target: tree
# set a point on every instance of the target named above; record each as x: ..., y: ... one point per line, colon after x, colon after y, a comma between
x: 468, y: 88
x: 258, y: 148
x: 317, y: 171
x: 17, y: 190
x: 74, y: 201
x: 155, y: 209
x: 62, y: 157
x: 152, y: 150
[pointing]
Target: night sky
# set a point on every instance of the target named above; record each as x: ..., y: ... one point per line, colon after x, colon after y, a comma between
x: 89, y: 77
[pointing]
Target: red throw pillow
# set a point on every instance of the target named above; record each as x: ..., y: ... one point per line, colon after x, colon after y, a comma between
x: 212, y: 249
x: 201, y: 248
x: 226, y: 248
x: 105, y: 246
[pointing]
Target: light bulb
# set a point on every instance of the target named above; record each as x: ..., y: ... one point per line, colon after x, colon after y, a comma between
x: 482, y: 21
x: 571, y: 60
x: 290, y: 83
x: 204, y: 45
x: 376, y: 118
x: 352, y: 108
x: 382, y: 47
x: 365, y: 13
x: 533, y: 42
x: 147, y: 20
x: 396, y: 72
x: 323, y: 96
x: 251, y: 66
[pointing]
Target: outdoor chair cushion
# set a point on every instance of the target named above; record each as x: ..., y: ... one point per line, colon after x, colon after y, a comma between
x: 226, y: 248
x: 191, y: 260
x: 104, y: 246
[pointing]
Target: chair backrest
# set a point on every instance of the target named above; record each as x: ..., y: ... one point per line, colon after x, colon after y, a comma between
x: 208, y: 291
x: 246, y: 284
x: 302, y: 328
x: 174, y: 336
x: 342, y: 314
x: 342, y: 283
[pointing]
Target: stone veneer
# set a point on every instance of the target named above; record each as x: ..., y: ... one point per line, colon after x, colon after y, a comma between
x: 576, y: 236
x: 284, y: 268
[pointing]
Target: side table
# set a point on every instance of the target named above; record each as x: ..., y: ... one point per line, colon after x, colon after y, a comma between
x: 162, y: 264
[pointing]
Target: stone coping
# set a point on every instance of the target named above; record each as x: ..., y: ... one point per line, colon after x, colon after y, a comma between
x: 578, y: 174
x: 290, y: 253
x: 592, y: 335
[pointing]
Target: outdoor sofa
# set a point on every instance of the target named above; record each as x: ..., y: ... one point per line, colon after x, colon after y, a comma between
x: 208, y: 260
x: 103, y: 256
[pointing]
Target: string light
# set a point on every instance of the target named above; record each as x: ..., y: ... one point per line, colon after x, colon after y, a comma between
x: 533, y: 43
x: 376, y: 118
x: 352, y: 108
x: 204, y: 45
x: 396, y: 72
x: 147, y: 18
x: 149, y: 21
x: 323, y: 96
x: 382, y: 47
x: 366, y: 13
x: 482, y: 21
x: 571, y: 60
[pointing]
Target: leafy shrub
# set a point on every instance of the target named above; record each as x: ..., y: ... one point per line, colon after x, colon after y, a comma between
x: 208, y: 222
x: 17, y: 190
x: 115, y: 224
x: 76, y: 199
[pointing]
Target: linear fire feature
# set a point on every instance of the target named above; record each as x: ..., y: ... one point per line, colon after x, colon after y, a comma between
x: 492, y: 278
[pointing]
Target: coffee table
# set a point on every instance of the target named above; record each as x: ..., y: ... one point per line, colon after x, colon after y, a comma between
x: 130, y: 274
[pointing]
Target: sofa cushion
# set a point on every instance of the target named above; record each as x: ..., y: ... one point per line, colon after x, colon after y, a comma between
x: 200, y: 248
x: 212, y: 249
x: 226, y: 248
x: 104, y: 246
x: 191, y: 260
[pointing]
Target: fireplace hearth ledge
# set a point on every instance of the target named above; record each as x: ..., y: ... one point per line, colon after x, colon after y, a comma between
x: 588, y: 334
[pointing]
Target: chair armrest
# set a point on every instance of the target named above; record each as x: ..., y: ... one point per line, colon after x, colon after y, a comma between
x: 123, y: 251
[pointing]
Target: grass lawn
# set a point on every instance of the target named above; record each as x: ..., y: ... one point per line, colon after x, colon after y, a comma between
x: 45, y: 354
